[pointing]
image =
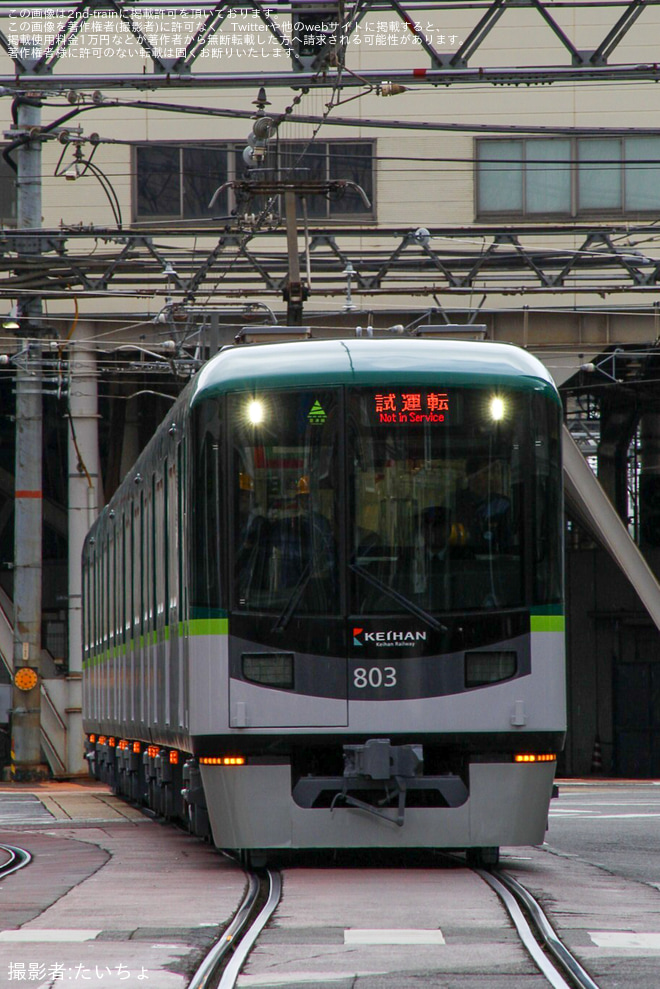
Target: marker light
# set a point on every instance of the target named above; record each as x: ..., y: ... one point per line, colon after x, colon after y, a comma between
x: 255, y: 412
x: 528, y: 757
x: 497, y: 408
x: 233, y: 760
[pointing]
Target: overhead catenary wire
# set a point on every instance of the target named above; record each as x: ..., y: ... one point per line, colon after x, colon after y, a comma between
x: 374, y: 122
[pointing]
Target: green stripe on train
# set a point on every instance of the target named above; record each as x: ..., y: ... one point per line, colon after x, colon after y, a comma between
x: 204, y: 626
x: 547, y: 623
x: 194, y: 626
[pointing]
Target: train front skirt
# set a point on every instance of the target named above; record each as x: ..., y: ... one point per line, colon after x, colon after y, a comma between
x: 252, y: 807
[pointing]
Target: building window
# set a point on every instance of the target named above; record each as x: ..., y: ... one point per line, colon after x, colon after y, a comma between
x: 537, y: 177
x: 7, y: 194
x: 328, y: 160
x: 178, y: 182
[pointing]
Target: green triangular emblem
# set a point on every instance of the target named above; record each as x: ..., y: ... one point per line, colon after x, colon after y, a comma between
x: 317, y: 414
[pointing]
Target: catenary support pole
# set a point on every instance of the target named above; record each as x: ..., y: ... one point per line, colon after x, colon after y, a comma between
x: 294, y: 293
x: 84, y: 500
x: 26, y: 761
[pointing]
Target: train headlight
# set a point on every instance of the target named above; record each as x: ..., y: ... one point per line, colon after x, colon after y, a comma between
x: 256, y: 412
x: 497, y: 408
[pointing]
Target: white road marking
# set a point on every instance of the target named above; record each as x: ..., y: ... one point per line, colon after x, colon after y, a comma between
x: 594, y: 816
x: 616, y: 803
x: 382, y: 936
x: 625, y: 939
x: 36, y: 934
x: 314, y: 978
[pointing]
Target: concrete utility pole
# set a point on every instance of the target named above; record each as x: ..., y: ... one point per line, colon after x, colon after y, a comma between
x: 26, y: 762
x: 84, y: 499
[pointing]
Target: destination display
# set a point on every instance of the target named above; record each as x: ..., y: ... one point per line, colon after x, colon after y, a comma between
x: 406, y: 406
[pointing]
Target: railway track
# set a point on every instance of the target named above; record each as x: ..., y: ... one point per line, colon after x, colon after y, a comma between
x: 221, y: 967
x: 227, y: 957
x: 15, y: 859
x: 537, y: 934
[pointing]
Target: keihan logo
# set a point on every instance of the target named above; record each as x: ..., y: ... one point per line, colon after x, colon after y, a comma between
x: 387, y: 637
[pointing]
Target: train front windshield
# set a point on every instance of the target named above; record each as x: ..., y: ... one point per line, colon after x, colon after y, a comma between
x: 387, y: 501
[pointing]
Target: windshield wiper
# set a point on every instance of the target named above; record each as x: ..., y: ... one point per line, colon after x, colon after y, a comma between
x: 289, y: 609
x: 401, y: 599
x: 296, y: 594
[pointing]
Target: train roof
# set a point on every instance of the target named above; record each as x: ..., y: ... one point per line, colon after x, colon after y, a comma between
x: 356, y: 361
x: 408, y: 360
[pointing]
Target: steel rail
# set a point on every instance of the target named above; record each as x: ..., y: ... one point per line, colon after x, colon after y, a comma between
x: 525, y: 933
x: 208, y: 970
x: 512, y: 894
x: 18, y: 859
x: 548, y: 933
x: 231, y: 972
x: 209, y: 967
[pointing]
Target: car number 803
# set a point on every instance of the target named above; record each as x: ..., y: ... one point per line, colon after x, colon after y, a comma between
x: 374, y: 676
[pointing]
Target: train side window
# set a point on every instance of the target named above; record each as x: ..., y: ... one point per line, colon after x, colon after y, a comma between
x: 106, y: 597
x: 114, y: 587
x: 99, y: 601
x: 93, y: 603
x: 86, y: 610
x: 159, y: 531
x: 547, y: 541
x: 100, y: 567
x: 149, y: 540
x: 136, y: 545
x: 127, y: 575
x: 164, y: 531
x: 172, y: 514
x: 181, y: 528
x: 143, y: 567
x: 205, y: 506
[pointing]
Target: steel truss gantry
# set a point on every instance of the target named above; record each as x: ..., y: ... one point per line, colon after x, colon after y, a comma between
x: 606, y: 259
x: 43, y: 70
x: 380, y: 261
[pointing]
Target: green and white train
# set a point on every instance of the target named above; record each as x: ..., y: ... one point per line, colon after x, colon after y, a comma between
x: 324, y: 609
